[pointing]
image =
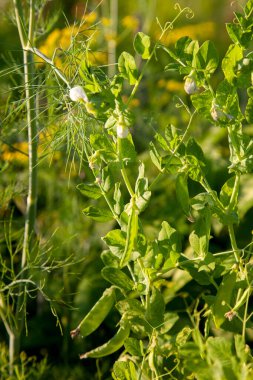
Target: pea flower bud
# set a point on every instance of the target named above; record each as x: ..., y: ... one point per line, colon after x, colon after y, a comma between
x: 122, y: 131
x: 190, y: 86
x: 77, y: 94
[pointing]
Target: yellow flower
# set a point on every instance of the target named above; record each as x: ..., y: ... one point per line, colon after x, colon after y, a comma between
x: 106, y: 21
x: 90, y: 18
x: 203, y: 31
x: 130, y: 22
x: 174, y: 86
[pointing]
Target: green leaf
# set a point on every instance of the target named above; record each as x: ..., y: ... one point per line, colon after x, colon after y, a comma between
x: 142, y: 45
x: 249, y: 108
x: 98, y: 214
x: 90, y: 190
x: 230, y: 62
x: 103, y: 146
x: 118, y: 278
x: 141, y: 190
x: 203, y: 103
x: 124, y: 370
x: 207, y: 58
x: 194, y: 149
x: 127, y: 149
x: 119, y: 204
x: 155, y: 156
x: 117, y: 85
x: 169, y: 239
x: 130, y: 307
x: 182, y: 192
x: 170, y: 319
x: 223, y: 298
x: 109, y: 259
x: 107, y: 179
x: 226, y: 191
x: 199, y: 237
x: 127, y: 67
x: 116, y: 240
x: 132, y: 232
x: 134, y: 347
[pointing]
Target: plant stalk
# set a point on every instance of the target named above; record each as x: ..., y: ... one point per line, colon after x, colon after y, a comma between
x: 26, y: 40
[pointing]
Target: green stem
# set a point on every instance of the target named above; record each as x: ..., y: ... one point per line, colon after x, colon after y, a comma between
x: 123, y: 170
x: 30, y: 217
x: 233, y: 242
x: 234, y: 193
x: 112, y: 41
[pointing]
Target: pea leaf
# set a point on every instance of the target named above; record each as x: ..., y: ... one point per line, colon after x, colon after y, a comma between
x: 127, y: 67
x: 118, y: 278
x: 142, y: 45
x: 207, y: 58
x: 226, y: 191
x: 182, y: 192
x: 169, y: 239
x: 90, y: 190
x: 98, y: 214
x: 134, y: 347
x: 223, y: 298
x: 230, y: 62
x: 124, y: 371
x: 203, y: 103
x: 116, y: 240
x: 199, y: 237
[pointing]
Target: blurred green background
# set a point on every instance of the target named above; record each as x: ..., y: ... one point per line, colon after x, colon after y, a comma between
x: 65, y: 232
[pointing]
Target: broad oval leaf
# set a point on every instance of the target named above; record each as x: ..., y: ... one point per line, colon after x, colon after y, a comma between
x: 98, y: 214
x: 90, y: 190
x: 127, y: 67
x: 142, y: 45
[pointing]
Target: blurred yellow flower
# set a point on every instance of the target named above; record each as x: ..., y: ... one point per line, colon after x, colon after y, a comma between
x: 106, y: 21
x: 98, y: 57
x: 133, y: 103
x: 203, y: 31
x: 18, y: 152
x: 90, y: 18
x: 130, y: 22
x: 171, y: 85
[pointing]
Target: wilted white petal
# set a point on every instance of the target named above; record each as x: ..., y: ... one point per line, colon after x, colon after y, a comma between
x: 78, y: 94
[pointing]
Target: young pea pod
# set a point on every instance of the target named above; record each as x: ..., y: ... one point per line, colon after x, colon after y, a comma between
x: 96, y: 315
x: 132, y: 231
x: 113, y: 345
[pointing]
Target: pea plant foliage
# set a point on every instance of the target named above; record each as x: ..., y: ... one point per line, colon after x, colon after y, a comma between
x: 207, y: 337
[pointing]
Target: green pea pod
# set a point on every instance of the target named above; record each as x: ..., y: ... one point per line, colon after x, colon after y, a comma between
x: 132, y: 231
x: 96, y: 315
x: 113, y: 345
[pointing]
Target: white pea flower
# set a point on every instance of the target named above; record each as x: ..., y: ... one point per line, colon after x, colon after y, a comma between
x: 246, y: 61
x: 217, y: 113
x: 77, y: 94
x: 190, y: 85
x: 122, y: 131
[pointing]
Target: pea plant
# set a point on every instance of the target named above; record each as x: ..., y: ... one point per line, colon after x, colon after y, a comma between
x: 206, y: 338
